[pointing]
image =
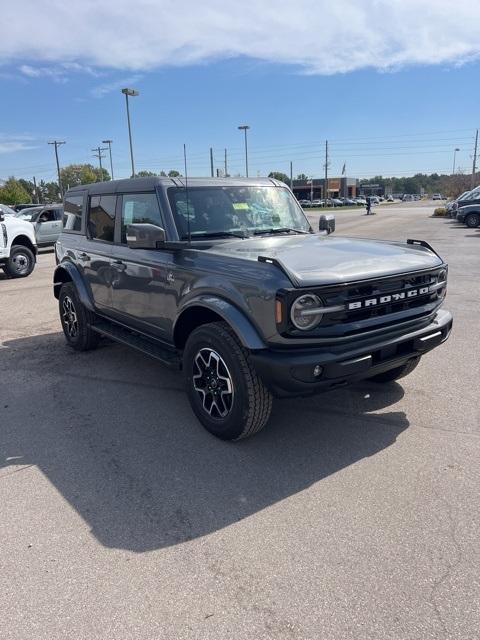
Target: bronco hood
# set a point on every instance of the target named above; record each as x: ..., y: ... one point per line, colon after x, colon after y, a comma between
x: 316, y: 260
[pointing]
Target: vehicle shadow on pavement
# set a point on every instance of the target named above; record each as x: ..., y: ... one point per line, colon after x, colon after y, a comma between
x: 112, y: 430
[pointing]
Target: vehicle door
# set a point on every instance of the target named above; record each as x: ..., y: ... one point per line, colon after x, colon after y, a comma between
x: 95, y: 251
x: 143, y: 291
x: 47, y: 227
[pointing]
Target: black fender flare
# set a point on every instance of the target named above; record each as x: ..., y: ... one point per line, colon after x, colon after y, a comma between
x: 238, y: 321
x: 73, y: 275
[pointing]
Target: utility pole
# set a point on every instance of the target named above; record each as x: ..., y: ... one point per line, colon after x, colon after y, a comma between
x: 109, y: 142
x: 291, y: 175
x: 99, y: 155
x: 326, y: 170
x: 225, y: 162
x: 35, y: 192
x: 211, y: 162
x: 57, y: 143
x: 474, y: 168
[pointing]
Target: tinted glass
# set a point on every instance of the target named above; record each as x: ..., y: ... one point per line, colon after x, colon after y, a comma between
x: 235, y: 210
x: 101, y: 218
x: 72, y: 217
x: 47, y: 216
x: 58, y: 214
x: 138, y: 208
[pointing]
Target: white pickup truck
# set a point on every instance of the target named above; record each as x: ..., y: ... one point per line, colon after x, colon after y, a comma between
x: 18, y: 246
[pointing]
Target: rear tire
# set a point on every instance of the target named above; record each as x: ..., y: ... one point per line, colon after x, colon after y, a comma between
x: 224, y: 390
x: 20, y: 263
x: 76, y: 320
x: 473, y: 220
x: 398, y: 372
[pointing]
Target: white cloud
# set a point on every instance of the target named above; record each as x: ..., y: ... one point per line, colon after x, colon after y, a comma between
x: 321, y: 36
x: 102, y: 89
x: 14, y: 146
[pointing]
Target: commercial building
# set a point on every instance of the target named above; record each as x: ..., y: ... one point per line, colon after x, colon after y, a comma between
x: 313, y: 189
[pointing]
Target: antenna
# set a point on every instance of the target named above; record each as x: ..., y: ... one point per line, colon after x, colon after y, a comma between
x: 186, y: 192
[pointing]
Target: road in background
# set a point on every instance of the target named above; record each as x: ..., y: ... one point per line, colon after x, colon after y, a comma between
x: 354, y: 515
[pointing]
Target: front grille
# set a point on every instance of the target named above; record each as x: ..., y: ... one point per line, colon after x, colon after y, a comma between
x: 369, y: 306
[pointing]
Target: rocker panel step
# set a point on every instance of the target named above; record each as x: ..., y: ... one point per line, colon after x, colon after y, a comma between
x: 141, y: 343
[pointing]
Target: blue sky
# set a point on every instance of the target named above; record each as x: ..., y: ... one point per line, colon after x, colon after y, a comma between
x: 387, y: 105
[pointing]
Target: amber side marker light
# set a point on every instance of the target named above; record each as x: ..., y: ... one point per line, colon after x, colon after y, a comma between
x: 278, y: 312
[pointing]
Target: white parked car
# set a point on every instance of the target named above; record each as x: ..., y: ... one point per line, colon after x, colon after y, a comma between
x: 18, y: 246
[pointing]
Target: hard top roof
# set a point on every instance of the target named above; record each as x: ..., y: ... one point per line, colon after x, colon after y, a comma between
x: 147, y: 184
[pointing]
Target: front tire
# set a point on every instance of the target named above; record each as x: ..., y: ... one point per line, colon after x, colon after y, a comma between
x: 473, y: 220
x: 20, y: 263
x: 398, y: 372
x: 224, y: 390
x: 76, y: 320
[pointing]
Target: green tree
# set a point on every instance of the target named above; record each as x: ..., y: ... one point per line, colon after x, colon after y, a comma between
x: 278, y: 175
x: 173, y: 173
x: 301, y: 176
x: 75, y: 174
x: 48, y: 191
x: 146, y: 174
x: 12, y: 192
x: 29, y: 188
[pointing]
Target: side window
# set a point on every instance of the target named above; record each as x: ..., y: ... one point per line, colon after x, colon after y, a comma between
x: 72, y: 217
x: 138, y: 208
x: 101, y: 218
x: 47, y: 216
x: 58, y: 214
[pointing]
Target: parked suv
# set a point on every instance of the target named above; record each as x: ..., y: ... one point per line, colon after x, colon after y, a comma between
x: 18, y: 246
x: 467, y: 208
x: 226, y: 279
x: 47, y: 221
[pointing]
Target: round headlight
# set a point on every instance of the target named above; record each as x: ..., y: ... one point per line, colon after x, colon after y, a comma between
x: 304, y: 312
x: 442, y: 276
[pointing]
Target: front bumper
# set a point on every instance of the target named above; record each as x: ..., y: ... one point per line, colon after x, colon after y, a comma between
x: 291, y: 373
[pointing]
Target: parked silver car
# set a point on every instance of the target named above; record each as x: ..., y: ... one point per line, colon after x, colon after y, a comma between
x: 47, y: 221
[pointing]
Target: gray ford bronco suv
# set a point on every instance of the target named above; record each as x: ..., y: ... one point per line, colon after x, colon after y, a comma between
x: 226, y: 280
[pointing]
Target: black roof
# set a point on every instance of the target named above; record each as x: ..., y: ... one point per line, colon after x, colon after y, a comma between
x: 147, y: 184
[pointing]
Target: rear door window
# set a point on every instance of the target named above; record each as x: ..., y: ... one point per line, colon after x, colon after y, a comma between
x: 72, y: 217
x: 101, y: 217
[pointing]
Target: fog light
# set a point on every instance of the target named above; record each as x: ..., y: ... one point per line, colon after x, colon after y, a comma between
x: 317, y: 370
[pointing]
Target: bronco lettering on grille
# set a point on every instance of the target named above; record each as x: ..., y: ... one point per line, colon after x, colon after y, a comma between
x: 388, y: 299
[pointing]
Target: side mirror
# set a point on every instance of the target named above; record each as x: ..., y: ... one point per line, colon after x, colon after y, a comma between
x: 145, y: 236
x: 327, y: 223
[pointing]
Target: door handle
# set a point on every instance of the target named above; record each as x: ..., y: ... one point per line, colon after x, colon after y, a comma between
x: 119, y: 265
x: 84, y: 257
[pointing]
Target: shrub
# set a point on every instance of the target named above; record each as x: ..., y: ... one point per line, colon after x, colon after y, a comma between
x: 440, y: 212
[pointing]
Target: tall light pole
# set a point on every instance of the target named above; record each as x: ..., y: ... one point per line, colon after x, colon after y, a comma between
x: 245, y: 128
x: 57, y: 143
x: 130, y: 92
x: 109, y: 142
x: 454, y: 157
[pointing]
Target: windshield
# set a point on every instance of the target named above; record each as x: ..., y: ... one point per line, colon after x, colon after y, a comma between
x: 26, y: 214
x: 237, y: 211
x: 473, y: 195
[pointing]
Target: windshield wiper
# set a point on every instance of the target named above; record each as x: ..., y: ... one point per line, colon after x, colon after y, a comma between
x: 216, y: 234
x: 279, y: 230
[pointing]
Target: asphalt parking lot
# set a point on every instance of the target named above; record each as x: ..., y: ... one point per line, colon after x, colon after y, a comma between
x: 353, y: 515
